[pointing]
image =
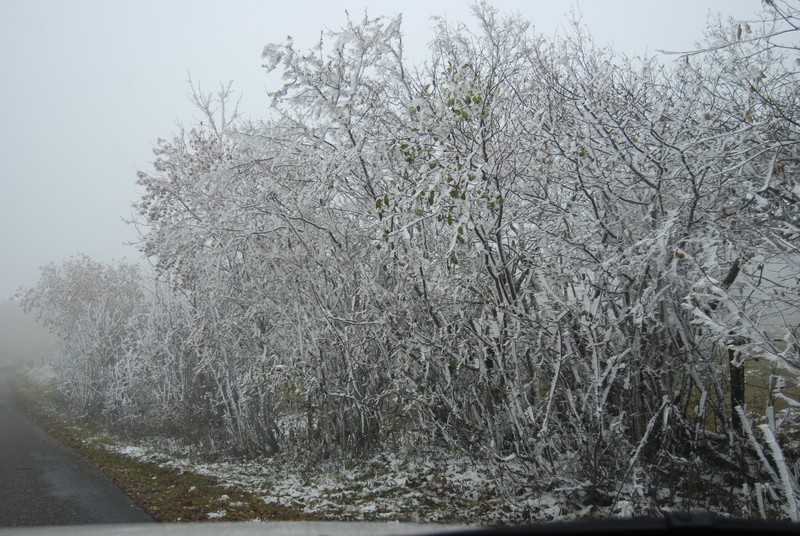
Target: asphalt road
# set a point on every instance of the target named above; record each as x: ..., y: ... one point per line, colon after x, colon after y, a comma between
x: 42, y: 482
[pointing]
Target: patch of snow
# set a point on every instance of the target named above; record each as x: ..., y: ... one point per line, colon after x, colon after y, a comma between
x: 219, y: 514
x: 132, y: 451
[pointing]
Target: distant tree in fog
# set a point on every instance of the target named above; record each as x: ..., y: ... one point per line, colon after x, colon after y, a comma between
x: 95, y: 310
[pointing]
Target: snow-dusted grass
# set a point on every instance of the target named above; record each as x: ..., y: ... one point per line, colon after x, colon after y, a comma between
x: 431, y: 487
x: 436, y: 487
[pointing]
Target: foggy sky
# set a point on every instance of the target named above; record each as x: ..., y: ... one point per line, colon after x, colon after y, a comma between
x: 88, y: 86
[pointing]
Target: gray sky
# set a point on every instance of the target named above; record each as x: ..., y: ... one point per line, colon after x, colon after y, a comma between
x: 88, y: 86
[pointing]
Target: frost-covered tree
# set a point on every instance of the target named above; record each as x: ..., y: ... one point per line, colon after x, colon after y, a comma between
x: 96, y: 311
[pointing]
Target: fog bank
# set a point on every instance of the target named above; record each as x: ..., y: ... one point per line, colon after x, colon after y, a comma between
x: 23, y: 341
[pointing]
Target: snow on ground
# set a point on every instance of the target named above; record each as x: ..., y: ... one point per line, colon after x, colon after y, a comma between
x: 433, y: 488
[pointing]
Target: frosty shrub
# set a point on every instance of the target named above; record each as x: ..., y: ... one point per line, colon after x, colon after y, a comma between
x: 537, y: 252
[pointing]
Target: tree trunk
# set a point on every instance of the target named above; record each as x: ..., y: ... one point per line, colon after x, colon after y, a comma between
x: 737, y: 390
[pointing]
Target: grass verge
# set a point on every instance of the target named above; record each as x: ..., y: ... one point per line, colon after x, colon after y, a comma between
x: 168, y: 494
